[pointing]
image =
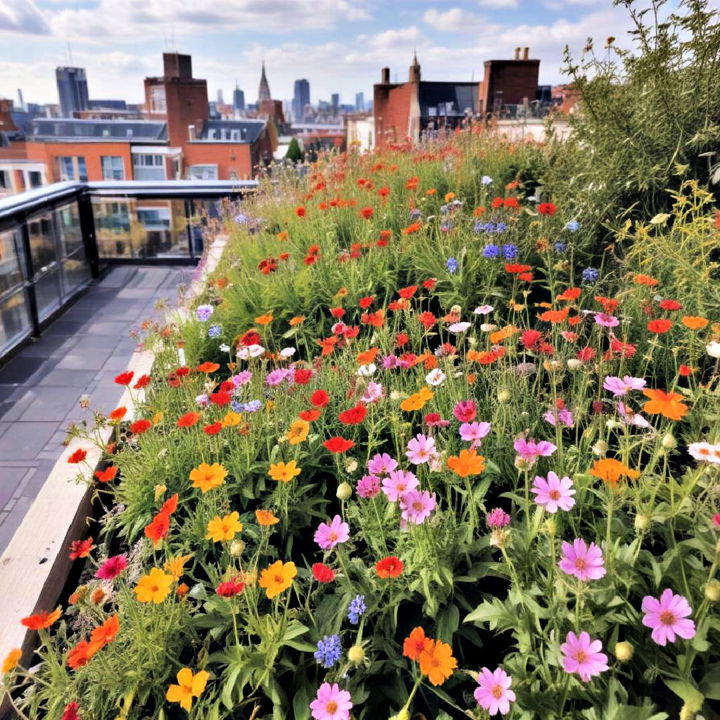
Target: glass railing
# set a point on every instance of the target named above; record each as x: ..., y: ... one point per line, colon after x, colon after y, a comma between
x: 55, y: 240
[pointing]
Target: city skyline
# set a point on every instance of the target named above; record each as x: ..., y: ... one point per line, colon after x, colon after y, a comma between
x: 229, y: 40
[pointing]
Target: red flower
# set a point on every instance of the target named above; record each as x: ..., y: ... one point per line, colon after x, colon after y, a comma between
x: 251, y: 337
x: 586, y: 354
x: 427, y: 319
x: 716, y: 519
x: 71, y: 711
x: 106, y: 475
x: 207, y: 367
x: 41, y: 620
x: 407, y: 292
x: 140, y: 426
x: 571, y: 293
x: 220, y: 398
x: 511, y: 202
x: 309, y: 415
x: 430, y: 283
x: 389, y: 567
x: 230, y: 588
x: 170, y: 505
x: 685, y: 370
x: 81, y: 548
x: 659, y: 326
x: 188, y: 419
x: 547, y: 208
x: 525, y: 277
x: 125, y: 378
x: 530, y: 338
x: 338, y: 444
x: 319, y: 398
x: 78, y: 456
x: 302, y: 376
x: 367, y: 213
x: 213, y: 429
x: 517, y: 268
x: 142, y: 381
x: 337, y: 312
x: 158, y: 528
x: 366, y: 302
x: 182, y: 371
x: 300, y: 211
x: 402, y: 339
x: 353, y: 416
x: 322, y: 573
x: 670, y: 305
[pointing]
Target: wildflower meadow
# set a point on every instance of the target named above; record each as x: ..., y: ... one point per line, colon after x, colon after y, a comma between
x: 423, y: 448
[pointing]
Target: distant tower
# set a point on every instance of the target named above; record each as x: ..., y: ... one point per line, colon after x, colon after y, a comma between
x: 335, y: 100
x: 21, y: 102
x: 264, y: 90
x: 360, y: 101
x: 415, y: 70
x: 72, y: 89
x: 220, y: 100
x: 238, y: 98
x: 301, y: 98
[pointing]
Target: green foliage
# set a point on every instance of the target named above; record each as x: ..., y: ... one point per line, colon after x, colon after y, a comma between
x: 294, y: 153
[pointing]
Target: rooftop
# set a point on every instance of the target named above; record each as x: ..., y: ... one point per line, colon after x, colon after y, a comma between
x: 54, y: 129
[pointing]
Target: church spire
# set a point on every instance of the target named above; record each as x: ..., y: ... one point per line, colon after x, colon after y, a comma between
x: 414, y: 75
x: 264, y: 90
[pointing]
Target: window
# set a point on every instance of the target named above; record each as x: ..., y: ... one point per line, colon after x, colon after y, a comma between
x: 5, y: 180
x: 157, y: 99
x: 34, y: 178
x: 82, y: 170
x: 148, y: 167
x: 73, y: 168
x: 112, y: 167
x: 203, y: 172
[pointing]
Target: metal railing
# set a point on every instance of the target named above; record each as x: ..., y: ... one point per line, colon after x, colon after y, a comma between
x: 55, y: 240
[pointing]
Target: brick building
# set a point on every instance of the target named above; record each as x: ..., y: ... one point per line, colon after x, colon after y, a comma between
x: 174, y: 139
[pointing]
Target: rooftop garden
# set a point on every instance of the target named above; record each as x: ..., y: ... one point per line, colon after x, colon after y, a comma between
x: 439, y: 439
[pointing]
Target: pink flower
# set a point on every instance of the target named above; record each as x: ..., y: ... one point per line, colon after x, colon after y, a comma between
x: 497, y: 518
x: 328, y: 535
x: 582, y: 655
x: 421, y: 449
x: 474, y: 432
x: 606, y: 320
x: 585, y: 562
x: 435, y: 420
x: 368, y: 486
x: 493, y: 692
x: 553, y: 493
x: 622, y: 387
x: 630, y: 417
x: 564, y: 416
x: 465, y: 411
x: 111, y: 568
x: 331, y: 703
x: 381, y: 464
x: 373, y: 393
x: 416, y: 506
x: 398, y: 483
x: 668, y: 617
x: 531, y: 449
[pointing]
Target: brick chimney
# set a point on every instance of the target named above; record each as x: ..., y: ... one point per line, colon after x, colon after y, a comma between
x: 517, y: 54
x: 385, y: 76
x: 176, y: 65
x: 526, y: 54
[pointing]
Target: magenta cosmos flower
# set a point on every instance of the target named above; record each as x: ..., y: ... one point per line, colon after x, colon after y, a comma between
x: 606, y: 320
x: 331, y: 703
x: 583, y: 561
x: 368, y: 486
x: 328, y: 535
x: 493, y: 692
x: 668, y: 617
x: 381, y: 464
x: 581, y: 655
x: 398, y: 483
x: 421, y: 449
x: 474, y: 432
x: 529, y: 450
x: 111, y: 568
x: 416, y: 506
x: 553, y: 493
x: 619, y: 387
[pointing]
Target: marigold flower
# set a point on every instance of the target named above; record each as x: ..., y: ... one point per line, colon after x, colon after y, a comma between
x: 667, y: 404
x: 437, y: 662
x: 415, y: 643
x: 189, y: 686
x: 417, y: 400
x: 277, y: 578
x: 298, y: 432
x: 265, y: 518
x: 284, y: 472
x: 153, y: 587
x: 224, y: 528
x: 11, y: 660
x: 41, y: 620
x: 611, y: 471
x: 467, y: 463
x: 206, y: 477
x: 692, y: 322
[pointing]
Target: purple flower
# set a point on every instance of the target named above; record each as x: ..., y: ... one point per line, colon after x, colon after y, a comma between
x: 203, y: 312
x: 668, y: 617
x: 416, y: 506
x: 553, y: 493
x: 381, y: 464
x: 581, y: 655
x: 563, y: 415
x: 421, y: 449
x: 622, y: 387
x: 606, y: 320
x: 242, y: 378
x: 493, y: 692
x: 275, y: 377
x: 497, y: 518
x: 328, y: 535
x: 583, y: 561
x: 531, y: 449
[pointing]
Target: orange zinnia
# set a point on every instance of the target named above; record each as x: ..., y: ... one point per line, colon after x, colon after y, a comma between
x: 692, y: 322
x: 467, y: 463
x: 264, y: 319
x: 41, y: 620
x: 667, y: 404
x: 415, y: 643
x: 437, y: 662
x: 610, y: 471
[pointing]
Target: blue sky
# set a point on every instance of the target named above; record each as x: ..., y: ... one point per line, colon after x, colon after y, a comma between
x: 338, y: 45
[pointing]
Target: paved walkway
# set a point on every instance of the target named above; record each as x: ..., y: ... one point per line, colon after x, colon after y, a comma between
x: 80, y: 353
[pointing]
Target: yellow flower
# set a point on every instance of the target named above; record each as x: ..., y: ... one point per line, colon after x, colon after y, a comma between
x: 224, y: 528
x: 153, y: 587
x: 206, y: 477
x: 298, y: 431
x: 11, y: 661
x: 266, y: 518
x: 231, y: 419
x: 277, y: 577
x: 160, y: 490
x: 284, y: 472
x: 417, y: 401
x: 189, y: 686
x: 175, y: 565
x: 158, y: 418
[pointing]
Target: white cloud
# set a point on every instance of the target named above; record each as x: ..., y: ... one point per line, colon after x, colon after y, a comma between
x: 452, y: 20
x: 22, y: 16
x: 501, y: 3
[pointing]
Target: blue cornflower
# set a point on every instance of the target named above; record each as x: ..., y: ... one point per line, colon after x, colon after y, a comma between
x: 486, y: 180
x: 501, y: 227
x: 560, y: 247
x: 491, y: 251
x: 452, y: 265
x: 356, y: 608
x: 329, y: 651
x: 204, y: 312
x: 488, y: 226
x: 509, y: 251
x: 237, y: 406
x: 252, y: 406
x: 241, y: 218
x: 415, y: 213
x: 572, y: 226
x: 590, y: 275
x: 214, y: 331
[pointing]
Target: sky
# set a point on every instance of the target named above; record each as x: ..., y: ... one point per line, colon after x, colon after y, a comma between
x: 338, y: 45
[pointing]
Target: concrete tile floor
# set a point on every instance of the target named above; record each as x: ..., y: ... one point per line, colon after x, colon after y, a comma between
x: 80, y: 353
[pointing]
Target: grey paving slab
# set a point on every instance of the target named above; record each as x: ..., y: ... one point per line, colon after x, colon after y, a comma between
x: 24, y: 440
x: 51, y: 403
x: 64, y: 378
x: 10, y: 481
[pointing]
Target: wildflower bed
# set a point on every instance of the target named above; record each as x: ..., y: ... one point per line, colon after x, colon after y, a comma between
x: 420, y: 449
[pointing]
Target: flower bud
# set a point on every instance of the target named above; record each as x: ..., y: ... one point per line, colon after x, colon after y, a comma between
x: 550, y: 527
x: 84, y: 401
x: 574, y: 364
x: 455, y: 309
x: 612, y: 424
x: 712, y: 590
x: 356, y: 654
x: 404, y: 714
x: 160, y: 490
x: 600, y: 448
x: 623, y: 651
x: 642, y: 522
x: 236, y: 548
x: 344, y: 491
x: 503, y: 396
x: 669, y: 442
x: 351, y: 465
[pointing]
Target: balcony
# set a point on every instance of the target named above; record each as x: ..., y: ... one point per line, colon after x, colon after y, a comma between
x: 55, y: 240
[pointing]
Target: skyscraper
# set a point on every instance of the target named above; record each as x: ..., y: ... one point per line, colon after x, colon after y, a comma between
x: 301, y: 98
x: 220, y: 99
x: 359, y: 101
x: 72, y: 89
x: 335, y: 99
x: 264, y: 89
x: 238, y: 98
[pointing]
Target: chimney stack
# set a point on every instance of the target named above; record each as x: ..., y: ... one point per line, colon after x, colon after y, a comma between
x: 517, y: 53
x: 526, y: 53
x: 385, y: 76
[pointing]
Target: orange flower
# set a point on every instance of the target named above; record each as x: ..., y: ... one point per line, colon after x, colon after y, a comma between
x: 417, y: 400
x: 667, y: 404
x: 297, y: 320
x: 503, y: 334
x: 188, y: 419
x: 80, y: 655
x: 206, y: 477
x: 415, y: 643
x: 158, y: 528
x: 104, y: 634
x: 611, y: 471
x: 41, y: 620
x: 554, y: 316
x: 467, y: 463
x: 208, y: 367
x: 367, y: 356
x: 437, y: 662
x: 265, y: 518
x: 692, y: 322
x: 11, y: 661
x: 117, y: 414
x: 646, y: 280
x: 107, y: 474
x: 264, y: 319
